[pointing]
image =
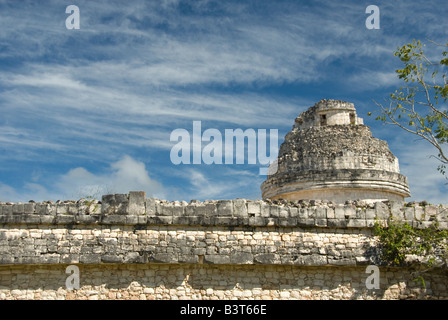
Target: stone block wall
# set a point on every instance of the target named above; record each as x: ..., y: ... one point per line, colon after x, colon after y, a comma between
x: 129, y: 246
x: 212, y: 282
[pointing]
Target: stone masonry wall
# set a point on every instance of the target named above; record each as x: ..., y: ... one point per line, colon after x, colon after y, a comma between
x: 212, y: 282
x: 130, y: 246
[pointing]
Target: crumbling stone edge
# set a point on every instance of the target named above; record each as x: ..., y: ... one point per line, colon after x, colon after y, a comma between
x: 135, y: 209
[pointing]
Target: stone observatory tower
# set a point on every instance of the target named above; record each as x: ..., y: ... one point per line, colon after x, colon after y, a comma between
x: 331, y: 155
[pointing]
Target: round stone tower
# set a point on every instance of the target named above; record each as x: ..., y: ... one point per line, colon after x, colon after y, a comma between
x: 330, y: 154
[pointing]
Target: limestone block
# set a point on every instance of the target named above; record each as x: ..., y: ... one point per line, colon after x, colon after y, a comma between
x: 382, y: 210
x: 370, y: 214
x: 172, y: 210
x: 61, y: 208
x: 195, y: 220
x: 422, y: 224
x: 339, y: 212
x: 356, y: 223
x: 29, y: 208
x: 409, y: 213
x: 442, y: 215
x: 431, y: 210
x: 136, y: 204
x: 52, y: 258
x: 199, y: 210
x: 211, y: 210
x: 360, y: 214
x: 188, y: 258
x: 142, y: 220
x: 265, y: 210
x: 312, y: 260
x: 150, y: 206
x: 396, y: 209
x: 31, y: 219
x: 134, y: 257
x: 419, y: 213
x: 330, y: 213
x: 293, y: 212
x: 90, y: 258
x: 41, y: 209
x: 240, y: 208
x: 178, y: 220
x: 86, y: 219
x: 216, y: 259
x: 341, y: 261
x: 257, y: 221
x: 349, y: 212
x: 113, y: 219
x: 131, y: 220
x: 287, y: 222
x: 274, y: 211
x: 224, y: 208
x: 320, y: 213
x: 64, y: 219
x: 72, y: 209
x: 241, y: 258
x: 443, y: 225
x: 337, y: 223
x: 165, y: 220
x: 303, y: 213
x: 306, y: 222
x: 69, y: 258
x: 283, y: 212
x: 267, y: 258
x: 253, y: 208
x: 18, y: 208
x: 108, y: 204
x: 320, y: 222
x: 6, y: 210
x: 311, y: 213
x: 121, y: 203
x: 370, y: 223
x: 270, y: 222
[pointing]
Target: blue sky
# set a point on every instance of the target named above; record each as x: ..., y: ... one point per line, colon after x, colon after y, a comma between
x: 90, y: 111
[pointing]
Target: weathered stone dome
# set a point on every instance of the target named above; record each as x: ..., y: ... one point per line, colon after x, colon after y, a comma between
x: 330, y: 154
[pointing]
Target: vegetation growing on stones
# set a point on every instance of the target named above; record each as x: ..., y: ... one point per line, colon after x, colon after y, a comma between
x: 401, y: 244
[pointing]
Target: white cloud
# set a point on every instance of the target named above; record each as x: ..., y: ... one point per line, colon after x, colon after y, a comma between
x: 21, y: 137
x: 124, y: 175
x: 47, y: 80
x: 372, y: 80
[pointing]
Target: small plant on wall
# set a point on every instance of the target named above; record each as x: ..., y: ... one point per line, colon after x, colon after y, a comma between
x: 401, y: 244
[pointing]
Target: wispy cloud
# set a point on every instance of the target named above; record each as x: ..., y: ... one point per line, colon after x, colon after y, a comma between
x: 213, y: 184
x: 136, y: 71
x: 122, y: 176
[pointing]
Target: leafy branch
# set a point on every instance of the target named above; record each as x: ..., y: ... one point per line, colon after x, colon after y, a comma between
x: 419, y: 107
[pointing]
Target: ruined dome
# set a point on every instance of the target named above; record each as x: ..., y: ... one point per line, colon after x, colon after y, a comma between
x: 330, y: 154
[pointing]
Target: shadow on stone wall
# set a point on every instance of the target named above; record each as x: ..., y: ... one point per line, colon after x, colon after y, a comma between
x: 189, y: 281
